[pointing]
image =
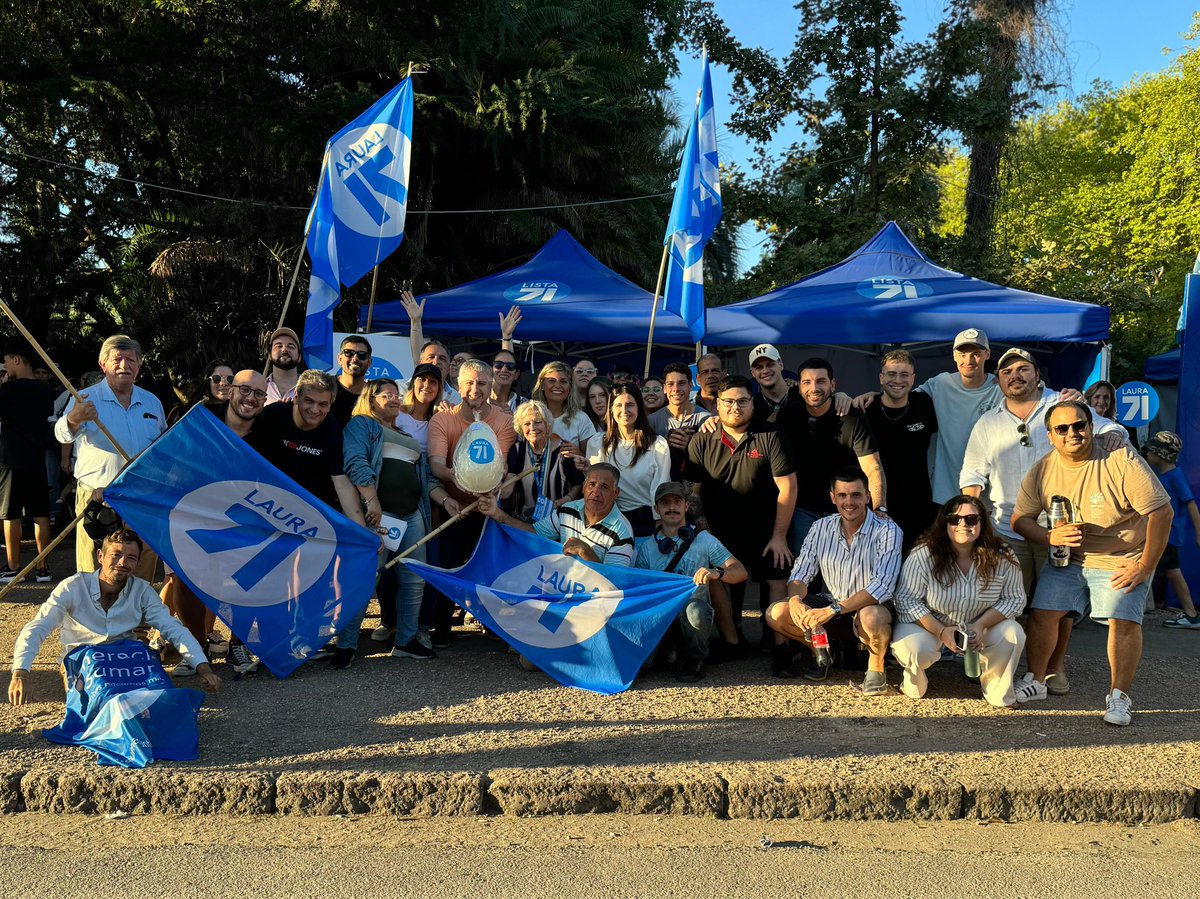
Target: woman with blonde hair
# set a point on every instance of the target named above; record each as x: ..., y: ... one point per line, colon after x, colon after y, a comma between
x: 384, y: 464
x: 554, y: 481
x: 555, y: 388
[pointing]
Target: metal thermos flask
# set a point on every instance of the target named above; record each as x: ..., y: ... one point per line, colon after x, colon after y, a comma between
x: 1062, y: 511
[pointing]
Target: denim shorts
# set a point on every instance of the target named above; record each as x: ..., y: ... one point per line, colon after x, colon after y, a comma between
x: 1073, y: 588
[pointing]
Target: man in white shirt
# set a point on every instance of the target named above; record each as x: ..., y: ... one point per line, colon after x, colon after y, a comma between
x: 103, y: 606
x: 135, y: 419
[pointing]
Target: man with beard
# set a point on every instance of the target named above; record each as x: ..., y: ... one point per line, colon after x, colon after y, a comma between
x: 774, y: 394
x: 284, y: 356
x: 825, y: 442
x: 355, y: 358
x: 1003, y: 446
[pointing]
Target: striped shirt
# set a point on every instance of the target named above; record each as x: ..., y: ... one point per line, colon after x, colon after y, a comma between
x: 964, y: 600
x: 611, y: 539
x: 869, y: 561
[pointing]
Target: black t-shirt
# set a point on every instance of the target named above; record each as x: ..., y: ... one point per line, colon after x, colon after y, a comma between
x: 737, y: 482
x: 310, y: 458
x: 26, y: 407
x: 767, y: 412
x: 903, y: 438
x: 821, y: 445
x: 343, y: 405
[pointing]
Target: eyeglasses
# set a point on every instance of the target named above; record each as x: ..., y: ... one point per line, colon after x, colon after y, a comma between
x: 247, y: 391
x: 970, y: 521
x: 360, y: 355
x: 1075, y: 427
x: 741, y: 403
x: 1023, y: 430
x: 221, y: 379
x: 504, y: 366
x: 585, y: 371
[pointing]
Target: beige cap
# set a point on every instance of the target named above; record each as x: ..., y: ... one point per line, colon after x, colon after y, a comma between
x: 971, y: 337
x: 284, y: 332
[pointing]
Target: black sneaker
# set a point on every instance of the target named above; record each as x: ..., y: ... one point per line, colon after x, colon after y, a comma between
x: 7, y: 575
x: 43, y: 576
x: 324, y: 652
x: 813, y: 671
x: 441, y: 639
x: 691, y: 671
x: 342, y: 659
x: 413, y: 649
x: 781, y: 660
x: 241, y: 659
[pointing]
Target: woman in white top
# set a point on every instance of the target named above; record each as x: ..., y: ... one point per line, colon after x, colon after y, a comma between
x: 554, y: 388
x: 421, y: 400
x: 960, y: 574
x: 643, y: 458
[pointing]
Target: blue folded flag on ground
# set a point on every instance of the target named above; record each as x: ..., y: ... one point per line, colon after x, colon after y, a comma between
x: 357, y: 216
x: 123, y: 707
x: 586, y: 625
x: 276, y: 564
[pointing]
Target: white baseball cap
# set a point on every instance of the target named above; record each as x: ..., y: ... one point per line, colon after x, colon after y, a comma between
x: 765, y: 349
x: 971, y: 337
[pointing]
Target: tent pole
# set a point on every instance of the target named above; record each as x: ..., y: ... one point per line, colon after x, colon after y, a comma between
x: 662, y: 269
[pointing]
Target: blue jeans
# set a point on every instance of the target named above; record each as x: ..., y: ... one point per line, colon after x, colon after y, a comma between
x: 695, y: 626
x: 802, y: 522
x: 1071, y: 589
x: 409, y: 589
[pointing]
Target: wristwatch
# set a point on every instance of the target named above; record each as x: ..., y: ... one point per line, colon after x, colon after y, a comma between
x: 720, y: 572
x: 836, y: 608
x: 882, y: 509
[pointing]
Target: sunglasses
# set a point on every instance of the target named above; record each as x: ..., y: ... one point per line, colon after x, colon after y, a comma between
x: 247, y: 391
x: 221, y: 379
x: 360, y: 355
x: 1023, y: 430
x: 970, y: 521
x: 1075, y: 427
x: 504, y: 366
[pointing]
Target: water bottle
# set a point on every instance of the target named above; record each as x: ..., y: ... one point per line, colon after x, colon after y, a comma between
x: 1061, y: 512
x: 820, y: 646
x: 970, y: 656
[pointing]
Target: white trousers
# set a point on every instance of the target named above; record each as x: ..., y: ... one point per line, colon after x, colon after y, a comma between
x: 916, y: 649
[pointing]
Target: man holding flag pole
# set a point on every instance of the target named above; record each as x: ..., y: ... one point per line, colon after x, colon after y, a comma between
x: 694, y: 215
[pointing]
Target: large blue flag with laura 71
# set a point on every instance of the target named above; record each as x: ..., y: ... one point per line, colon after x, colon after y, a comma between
x: 357, y: 216
x: 281, y: 568
x: 586, y: 625
x: 694, y: 214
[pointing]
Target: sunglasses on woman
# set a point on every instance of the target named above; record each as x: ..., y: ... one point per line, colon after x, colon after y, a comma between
x: 221, y: 379
x: 970, y: 521
x: 506, y: 366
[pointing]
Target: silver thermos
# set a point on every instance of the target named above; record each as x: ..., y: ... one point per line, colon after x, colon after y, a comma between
x: 1062, y: 511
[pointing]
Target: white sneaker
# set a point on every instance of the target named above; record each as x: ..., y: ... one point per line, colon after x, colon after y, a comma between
x: 913, y: 684
x: 1028, y: 689
x: 183, y: 669
x: 1120, y: 708
x: 382, y: 633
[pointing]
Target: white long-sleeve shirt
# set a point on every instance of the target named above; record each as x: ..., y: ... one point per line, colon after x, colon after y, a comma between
x: 997, y: 461
x: 639, y: 479
x: 74, y: 606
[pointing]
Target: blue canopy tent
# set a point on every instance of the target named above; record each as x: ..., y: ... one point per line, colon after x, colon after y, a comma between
x: 1164, y: 368
x: 889, y: 292
x: 565, y: 294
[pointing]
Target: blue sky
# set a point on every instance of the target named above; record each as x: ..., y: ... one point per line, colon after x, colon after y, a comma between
x: 1110, y: 40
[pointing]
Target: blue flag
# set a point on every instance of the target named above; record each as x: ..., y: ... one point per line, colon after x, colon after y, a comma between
x: 357, y: 216
x: 586, y: 625
x: 694, y: 214
x: 276, y: 564
x: 123, y: 707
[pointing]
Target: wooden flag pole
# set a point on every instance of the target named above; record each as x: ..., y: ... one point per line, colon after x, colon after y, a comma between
x: 662, y: 270
x: 62, y: 535
x: 459, y: 517
x: 58, y: 373
x: 371, y: 302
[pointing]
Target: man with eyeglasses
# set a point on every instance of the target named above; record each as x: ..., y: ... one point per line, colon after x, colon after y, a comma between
x: 746, y: 480
x: 1122, y: 521
x: 247, y: 402
x: 354, y: 356
x: 283, y: 354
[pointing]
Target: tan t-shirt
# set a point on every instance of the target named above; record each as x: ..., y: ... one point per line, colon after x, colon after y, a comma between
x: 445, y: 429
x: 1112, y: 493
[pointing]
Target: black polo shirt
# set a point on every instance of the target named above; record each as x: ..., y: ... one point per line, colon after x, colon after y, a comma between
x: 767, y: 412
x: 737, y: 482
x: 824, y: 443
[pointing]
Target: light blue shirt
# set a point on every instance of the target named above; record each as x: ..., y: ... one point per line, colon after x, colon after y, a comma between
x: 97, y: 461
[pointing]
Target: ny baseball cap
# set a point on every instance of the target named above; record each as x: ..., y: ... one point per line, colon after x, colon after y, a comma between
x: 670, y: 488
x: 971, y: 337
x: 1165, y: 444
x: 765, y: 349
x: 1015, y: 353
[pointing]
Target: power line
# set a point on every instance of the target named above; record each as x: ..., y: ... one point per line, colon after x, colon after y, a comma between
x: 244, y: 202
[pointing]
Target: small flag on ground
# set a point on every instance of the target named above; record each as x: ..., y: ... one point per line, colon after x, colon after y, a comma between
x: 586, y: 625
x: 276, y: 564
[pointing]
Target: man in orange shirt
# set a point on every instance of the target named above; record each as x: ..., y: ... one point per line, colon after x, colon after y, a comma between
x: 445, y: 430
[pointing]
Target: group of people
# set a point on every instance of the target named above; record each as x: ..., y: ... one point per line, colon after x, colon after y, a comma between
x: 827, y: 501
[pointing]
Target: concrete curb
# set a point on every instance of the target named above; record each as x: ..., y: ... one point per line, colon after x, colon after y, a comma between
x: 543, y: 792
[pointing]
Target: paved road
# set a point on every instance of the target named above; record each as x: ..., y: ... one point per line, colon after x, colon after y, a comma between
x: 595, y: 856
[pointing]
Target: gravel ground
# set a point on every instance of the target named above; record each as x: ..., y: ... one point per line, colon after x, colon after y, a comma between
x: 473, y: 709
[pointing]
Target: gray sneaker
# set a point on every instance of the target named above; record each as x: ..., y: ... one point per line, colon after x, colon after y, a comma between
x: 1183, y: 622
x: 874, y: 684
